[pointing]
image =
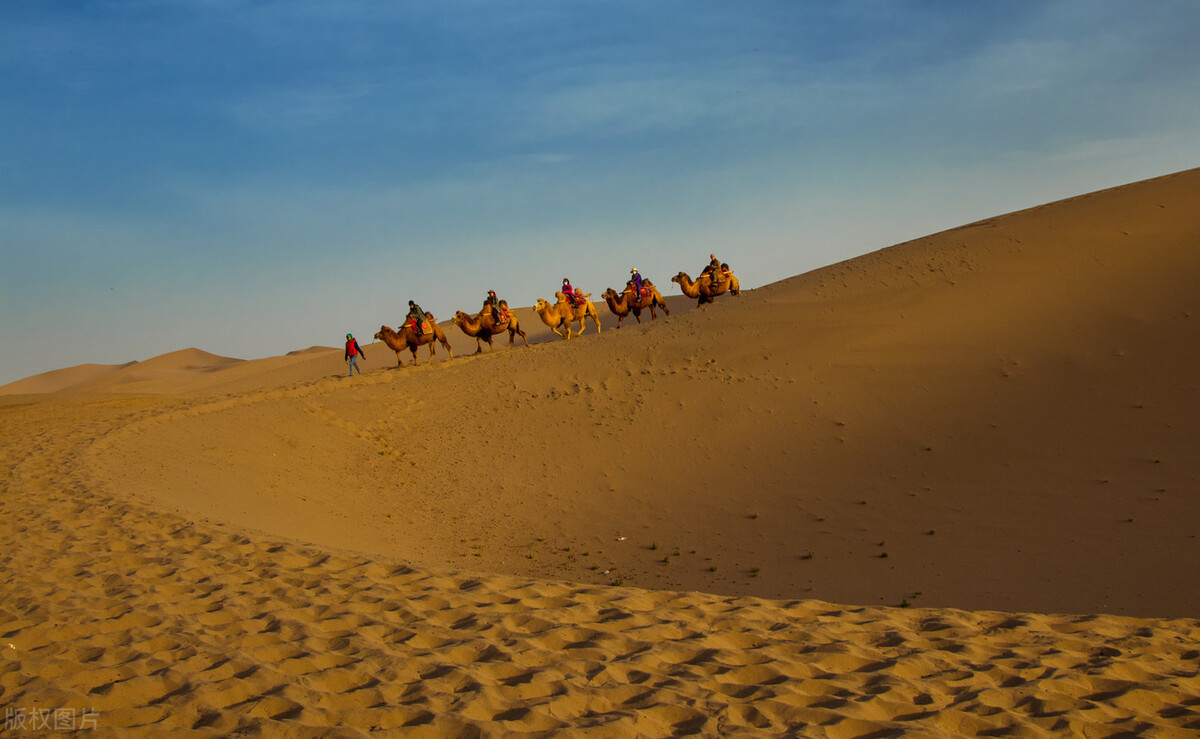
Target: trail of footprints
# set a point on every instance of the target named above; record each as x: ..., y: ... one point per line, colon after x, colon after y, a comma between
x: 157, y: 624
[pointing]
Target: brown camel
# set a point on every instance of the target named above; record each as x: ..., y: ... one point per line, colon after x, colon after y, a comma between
x: 483, y: 326
x: 704, y: 289
x: 624, y: 303
x: 409, y: 339
x: 564, y: 313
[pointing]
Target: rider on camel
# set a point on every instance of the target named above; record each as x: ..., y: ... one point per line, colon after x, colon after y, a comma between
x: 493, y: 303
x: 417, y: 316
x: 572, y: 297
x: 717, y: 271
x: 637, y: 283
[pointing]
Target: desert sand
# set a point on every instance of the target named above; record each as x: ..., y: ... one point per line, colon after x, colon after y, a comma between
x: 948, y: 488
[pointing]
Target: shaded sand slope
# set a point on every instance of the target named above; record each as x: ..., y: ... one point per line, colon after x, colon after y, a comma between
x: 141, y: 623
x: 999, y: 416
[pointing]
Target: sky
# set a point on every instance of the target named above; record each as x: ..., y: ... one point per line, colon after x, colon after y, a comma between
x: 252, y: 177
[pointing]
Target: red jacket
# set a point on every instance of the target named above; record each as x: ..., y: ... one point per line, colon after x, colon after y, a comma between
x: 352, y: 348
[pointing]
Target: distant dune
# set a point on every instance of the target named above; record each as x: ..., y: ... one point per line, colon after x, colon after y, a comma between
x: 192, y: 371
x: 1002, y: 417
x: 310, y: 350
x: 59, y: 380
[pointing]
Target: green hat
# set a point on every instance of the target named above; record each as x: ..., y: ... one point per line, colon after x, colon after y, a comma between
x: 349, y: 336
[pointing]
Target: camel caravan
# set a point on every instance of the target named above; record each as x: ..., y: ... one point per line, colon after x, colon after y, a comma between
x: 572, y: 306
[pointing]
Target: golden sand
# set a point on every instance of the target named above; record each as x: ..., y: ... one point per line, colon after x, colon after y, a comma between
x: 643, y: 533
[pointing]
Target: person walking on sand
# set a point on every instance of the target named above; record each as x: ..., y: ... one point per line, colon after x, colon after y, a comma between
x: 353, y: 352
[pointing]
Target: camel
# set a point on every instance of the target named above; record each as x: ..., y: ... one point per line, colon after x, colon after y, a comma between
x: 564, y: 313
x: 483, y: 326
x: 409, y: 339
x: 624, y: 303
x: 704, y: 290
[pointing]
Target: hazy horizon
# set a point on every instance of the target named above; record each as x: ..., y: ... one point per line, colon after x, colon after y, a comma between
x: 253, y: 179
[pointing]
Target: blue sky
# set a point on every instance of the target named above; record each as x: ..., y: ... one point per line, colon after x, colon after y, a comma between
x: 251, y: 178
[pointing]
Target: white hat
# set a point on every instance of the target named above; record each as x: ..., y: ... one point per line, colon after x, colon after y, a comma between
x: 633, y: 270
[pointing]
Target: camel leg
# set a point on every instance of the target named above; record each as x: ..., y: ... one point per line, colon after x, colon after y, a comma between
x: 446, y: 344
x: 523, y: 337
x: 596, y: 318
x: 399, y: 360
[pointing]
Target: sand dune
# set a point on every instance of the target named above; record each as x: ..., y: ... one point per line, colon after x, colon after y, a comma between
x: 1025, y: 393
x: 645, y: 532
x: 60, y: 380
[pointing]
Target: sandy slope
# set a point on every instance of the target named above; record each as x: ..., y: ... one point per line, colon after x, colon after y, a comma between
x: 1007, y: 411
x: 1023, y: 390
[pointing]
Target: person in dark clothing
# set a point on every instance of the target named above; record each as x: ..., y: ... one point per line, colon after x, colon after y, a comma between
x: 637, y: 283
x: 714, y: 265
x: 494, y: 303
x: 353, y: 352
x: 416, y: 315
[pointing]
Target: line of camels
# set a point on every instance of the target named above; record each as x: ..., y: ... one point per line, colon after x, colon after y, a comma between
x: 560, y: 315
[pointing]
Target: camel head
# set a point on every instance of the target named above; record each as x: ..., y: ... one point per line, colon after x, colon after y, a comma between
x: 541, y: 306
x: 610, y: 294
x: 678, y: 279
x: 460, y: 318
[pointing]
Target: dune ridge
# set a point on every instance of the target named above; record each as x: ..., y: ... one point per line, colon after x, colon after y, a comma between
x: 944, y: 417
x: 979, y: 443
